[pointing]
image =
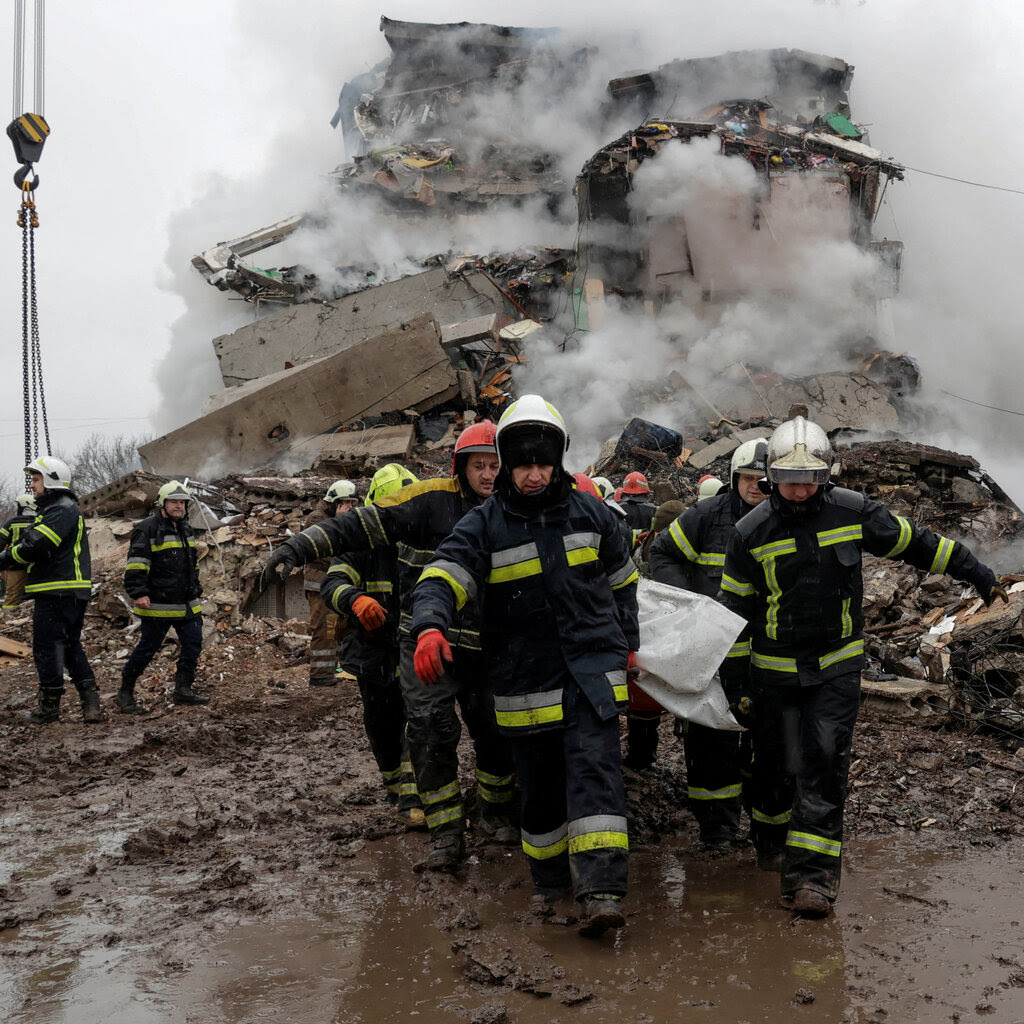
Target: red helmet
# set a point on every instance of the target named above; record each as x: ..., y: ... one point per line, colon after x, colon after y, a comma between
x: 635, y: 483
x: 476, y: 438
x: 586, y: 485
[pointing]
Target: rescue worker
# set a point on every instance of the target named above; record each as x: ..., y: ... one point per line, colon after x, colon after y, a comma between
x: 793, y: 571
x: 604, y: 486
x: 636, y: 501
x: 162, y: 577
x: 54, y: 552
x: 325, y: 628
x: 10, y: 532
x: 690, y: 555
x: 363, y: 585
x: 413, y: 521
x: 708, y: 486
x: 558, y: 593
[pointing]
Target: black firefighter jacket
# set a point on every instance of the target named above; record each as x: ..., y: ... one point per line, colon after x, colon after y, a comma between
x: 690, y: 554
x: 412, y: 522
x: 558, y: 598
x: 375, y: 574
x: 162, y: 566
x: 12, y: 530
x: 796, y: 579
x: 54, y: 550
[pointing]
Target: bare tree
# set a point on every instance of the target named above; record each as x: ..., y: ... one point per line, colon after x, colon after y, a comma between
x: 101, y: 459
x: 10, y: 488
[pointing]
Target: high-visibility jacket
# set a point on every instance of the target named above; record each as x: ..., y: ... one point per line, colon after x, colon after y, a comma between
x: 558, y: 593
x: 12, y: 530
x: 54, y: 550
x: 690, y: 553
x: 796, y: 578
x: 412, y: 522
x: 370, y: 573
x: 162, y: 566
x: 639, y: 511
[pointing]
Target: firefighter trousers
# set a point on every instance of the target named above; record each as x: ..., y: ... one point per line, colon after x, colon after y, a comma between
x: 151, y: 636
x: 57, y: 642
x: 384, y: 721
x: 573, y: 816
x: 433, y: 731
x: 802, y: 742
x: 324, y: 636
x: 714, y: 783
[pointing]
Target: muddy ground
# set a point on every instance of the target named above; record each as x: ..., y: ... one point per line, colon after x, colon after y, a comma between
x: 238, y: 862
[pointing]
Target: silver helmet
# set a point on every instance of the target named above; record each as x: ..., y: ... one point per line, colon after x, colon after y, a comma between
x: 799, y: 453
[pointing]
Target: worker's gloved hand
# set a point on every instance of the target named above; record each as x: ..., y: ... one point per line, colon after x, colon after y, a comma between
x: 987, y: 586
x: 6, y: 560
x: 370, y: 613
x: 281, y: 563
x: 432, y: 651
x: 632, y: 669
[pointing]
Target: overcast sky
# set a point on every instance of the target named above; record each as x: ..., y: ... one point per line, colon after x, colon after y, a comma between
x: 179, y: 125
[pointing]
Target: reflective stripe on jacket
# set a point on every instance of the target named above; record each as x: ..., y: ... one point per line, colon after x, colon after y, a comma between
x: 558, y: 598
x: 796, y: 579
x: 162, y: 566
x: 54, y: 550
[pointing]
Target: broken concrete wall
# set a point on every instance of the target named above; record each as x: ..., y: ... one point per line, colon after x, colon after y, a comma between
x: 403, y: 369
x: 310, y: 331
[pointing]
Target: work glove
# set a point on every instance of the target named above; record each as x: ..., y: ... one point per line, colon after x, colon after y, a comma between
x: 370, y: 613
x: 632, y: 669
x: 988, y: 587
x: 6, y: 560
x: 281, y: 563
x: 432, y: 651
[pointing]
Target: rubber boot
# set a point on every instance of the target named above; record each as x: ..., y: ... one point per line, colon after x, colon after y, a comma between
x: 125, y: 701
x: 601, y: 912
x: 47, y: 710
x: 447, y: 853
x: 89, y: 698
x: 183, y: 692
x: 641, y: 740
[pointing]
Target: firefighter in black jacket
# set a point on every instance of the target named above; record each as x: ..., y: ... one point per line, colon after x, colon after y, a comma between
x: 690, y: 554
x: 10, y: 534
x: 414, y: 521
x: 54, y: 551
x: 363, y: 585
x: 558, y: 592
x: 162, y: 577
x: 793, y: 571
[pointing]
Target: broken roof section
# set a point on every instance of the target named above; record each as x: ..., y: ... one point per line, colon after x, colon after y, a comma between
x: 816, y: 177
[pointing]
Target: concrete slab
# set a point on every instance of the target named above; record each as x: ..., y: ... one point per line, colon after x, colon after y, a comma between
x: 403, y: 369
x: 908, y: 700
x: 312, y: 330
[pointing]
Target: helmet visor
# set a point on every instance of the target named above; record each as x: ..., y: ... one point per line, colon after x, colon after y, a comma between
x: 784, y: 475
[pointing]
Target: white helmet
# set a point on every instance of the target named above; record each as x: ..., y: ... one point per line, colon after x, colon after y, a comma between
x: 340, y: 490
x: 750, y: 457
x: 55, y: 473
x: 531, y: 430
x: 799, y: 453
x: 604, y: 485
x: 25, y: 502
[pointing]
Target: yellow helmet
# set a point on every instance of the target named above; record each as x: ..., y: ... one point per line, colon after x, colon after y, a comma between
x: 387, y: 480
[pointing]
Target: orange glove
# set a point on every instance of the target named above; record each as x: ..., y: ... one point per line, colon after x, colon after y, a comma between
x: 631, y: 667
x: 370, y: 613
x: 432, y: 651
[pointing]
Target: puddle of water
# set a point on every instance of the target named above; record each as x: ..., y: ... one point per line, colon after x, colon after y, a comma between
x: 921, y: 936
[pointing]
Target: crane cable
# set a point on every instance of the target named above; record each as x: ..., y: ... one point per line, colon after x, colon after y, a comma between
x: 28, y: 132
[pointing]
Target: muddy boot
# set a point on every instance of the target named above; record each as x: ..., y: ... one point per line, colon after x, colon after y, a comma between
x: 183, y: 692
x: 601, y: 911
x: 811, y: 903
x: 498, y: 830
x: 544, y: 900
x: 447, y: 854
x: 641, y: 740
x: 89, y: 698
x: 125, y: 701
x: 412, y: 818
x: 47, y: 710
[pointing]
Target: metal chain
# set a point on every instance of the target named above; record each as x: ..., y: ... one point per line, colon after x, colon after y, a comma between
x: 37, y: 353
x: 26, y: 360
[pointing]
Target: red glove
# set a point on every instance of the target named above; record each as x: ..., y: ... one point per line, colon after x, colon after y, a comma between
x: 370, y: 613
x: 432, y: 651
x: 631, y: 667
